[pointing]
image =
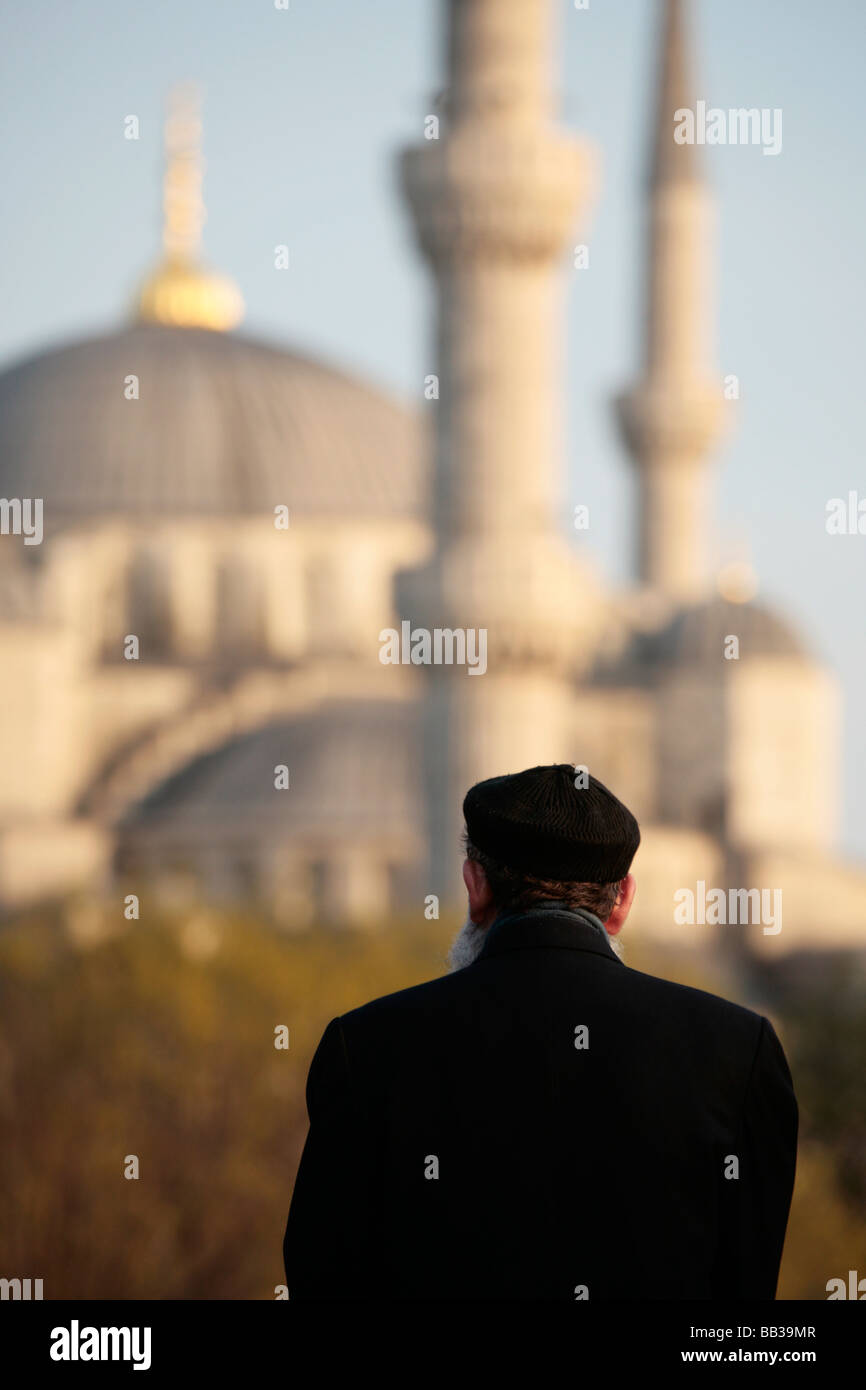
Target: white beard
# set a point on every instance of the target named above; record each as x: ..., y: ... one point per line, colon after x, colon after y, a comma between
x: 467, y: 944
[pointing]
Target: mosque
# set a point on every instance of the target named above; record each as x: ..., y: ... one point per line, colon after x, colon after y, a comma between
x: 191, y: 657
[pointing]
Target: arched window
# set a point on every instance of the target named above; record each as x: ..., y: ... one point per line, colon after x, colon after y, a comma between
x: 324, y: 616
x: 239, y: 607
x: 148, y: 607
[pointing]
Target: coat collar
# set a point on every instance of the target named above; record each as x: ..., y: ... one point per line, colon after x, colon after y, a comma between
x: 551, y: 926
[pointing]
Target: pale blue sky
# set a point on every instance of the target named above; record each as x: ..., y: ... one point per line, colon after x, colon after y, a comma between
x: 303, y: 113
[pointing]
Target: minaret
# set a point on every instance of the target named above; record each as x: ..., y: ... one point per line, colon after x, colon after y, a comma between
x: 675, y: 413
x: 182, y: 292
x: 494, y: 199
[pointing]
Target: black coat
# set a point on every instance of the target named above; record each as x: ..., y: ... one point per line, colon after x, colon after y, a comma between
x: 462, y: 1145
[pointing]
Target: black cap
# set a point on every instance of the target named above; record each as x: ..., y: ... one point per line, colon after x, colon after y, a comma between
x: 541, y: 823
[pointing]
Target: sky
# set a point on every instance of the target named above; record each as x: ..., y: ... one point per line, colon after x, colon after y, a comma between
x: 304, y: 111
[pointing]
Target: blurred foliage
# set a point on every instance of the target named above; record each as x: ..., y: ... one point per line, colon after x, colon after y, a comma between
x: 157, y: 1039
x: 826, y: 1022
x: 159, y: 1042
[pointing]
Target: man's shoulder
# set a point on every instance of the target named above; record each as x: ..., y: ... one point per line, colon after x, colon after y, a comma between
x: 688, y: 1004
x: 429, y: 996
x: 639, y: 991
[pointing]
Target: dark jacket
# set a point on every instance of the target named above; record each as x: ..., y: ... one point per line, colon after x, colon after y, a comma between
x: 462, y: 1145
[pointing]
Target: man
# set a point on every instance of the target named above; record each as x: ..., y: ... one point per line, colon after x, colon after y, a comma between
x: 544, y: 1122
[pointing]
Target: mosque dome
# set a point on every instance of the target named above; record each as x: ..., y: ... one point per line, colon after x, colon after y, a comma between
x: 222, y: 425
x: 351, y: 764
x: 694, y: 638
x: 696, y: 635
x: 178, y: 416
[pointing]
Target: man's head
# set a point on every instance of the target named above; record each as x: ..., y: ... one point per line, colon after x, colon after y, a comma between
x: 546, y: 834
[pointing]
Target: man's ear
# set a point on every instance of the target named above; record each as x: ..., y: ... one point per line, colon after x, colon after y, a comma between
x: 482, y: 908
x: 622, y: 905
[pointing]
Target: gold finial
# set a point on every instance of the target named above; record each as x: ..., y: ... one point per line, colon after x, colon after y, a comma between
x: 182, y: 292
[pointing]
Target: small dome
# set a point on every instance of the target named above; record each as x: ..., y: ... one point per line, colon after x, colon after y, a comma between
x: 222, y: 425
x: 695, y: 637
x: 353, y: 769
